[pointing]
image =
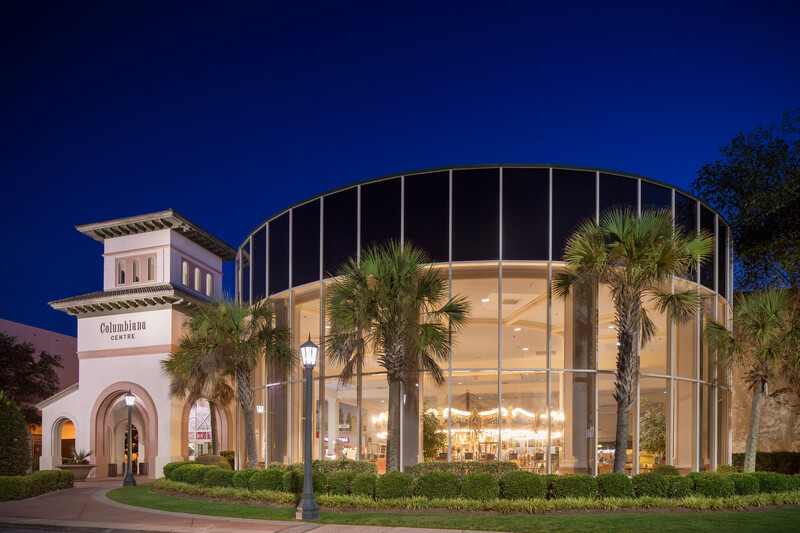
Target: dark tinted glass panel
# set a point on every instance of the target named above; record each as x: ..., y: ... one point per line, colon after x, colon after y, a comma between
x: 259, y: 262
x: 526, y: 213
x: 685, y: 213
x: 616, y: 191
x: 380, y: 212
x: 722, y: 264
x: 305, y: 243
x: 573, y: 202
x: 245, y: 282
x: 476, y: 214
x: 427, y: 213
x: 656, y: 196
x: 707, y: 268
x: 340, y: 238
x: 279, y: 254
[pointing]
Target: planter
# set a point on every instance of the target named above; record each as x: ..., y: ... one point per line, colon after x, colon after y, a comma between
x: 80, y: 471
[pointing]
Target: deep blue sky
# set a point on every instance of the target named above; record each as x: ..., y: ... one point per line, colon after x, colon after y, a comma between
x: 229, y: 112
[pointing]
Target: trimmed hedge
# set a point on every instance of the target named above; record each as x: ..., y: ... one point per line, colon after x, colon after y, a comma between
x: 666, y: 470
x: 678, y: 487
x: 727, y: 469
x: 230, y: 456
x: 293, y: 481
x: 614, y: 486
x: 214, y: 460
x: 745, y: 484
x: 794, y: 482
x: 521, y: 485
x: 650, y: 484
x: 169, y: 468
x: 438, y: 485
x: 28, y: 486
x: 269, y: 479
x: 218, y: 477
x: 339, y: 482
x: 574, y: 486
x: 344, y: 465
x: 394, y: 485
x: 480, y: 486
x: 180, y: 473
x: 241, y: 478
x: 277, y: 466
x: 770, y: 482
x: 714, y: 485
x: 363, y: 485
x: 195, y: 473
x: 496, y: 468
x: 779, y: 462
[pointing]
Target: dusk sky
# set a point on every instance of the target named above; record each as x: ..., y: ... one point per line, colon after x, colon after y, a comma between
x: 230, y: 111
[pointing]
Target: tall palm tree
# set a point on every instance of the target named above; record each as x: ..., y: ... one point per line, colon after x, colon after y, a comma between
x: 195, y: 374
x: 238, y: 336
x: 763, y: 341
x: 635, y: 256
x: 391, y: 305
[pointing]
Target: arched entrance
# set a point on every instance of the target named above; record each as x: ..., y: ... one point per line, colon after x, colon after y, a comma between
x: 109, y: 424
x: 224, y: 427
x: 63, y: 438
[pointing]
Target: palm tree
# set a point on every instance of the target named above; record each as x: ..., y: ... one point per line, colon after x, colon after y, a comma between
x: 763, y: 340
x: 237, y: 337
x: 194, y: 374
x: 635, y: 256
x: 391, y: 305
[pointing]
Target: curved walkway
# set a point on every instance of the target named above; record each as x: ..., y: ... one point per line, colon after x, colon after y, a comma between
x: 86, y: 508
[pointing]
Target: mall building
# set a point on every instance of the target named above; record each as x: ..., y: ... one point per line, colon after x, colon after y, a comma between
x: 529, y: 379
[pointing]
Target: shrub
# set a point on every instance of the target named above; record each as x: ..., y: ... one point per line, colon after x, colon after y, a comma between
x: 480, y: 486
x: 363, y: 485
x: 339, y: 482
x: 15, y: 453
x: 745, y: 484
x: 521, y: 485
x: 794, y: 483
x: 218, y: 477
x: 345, y: 465
x: 196, y: 473
x: 574, y: 486
x: 614, y: 486
x: 666, y: 470
x: 230, y: 456
x: 548, y: 483
x: 650, y: 484
x: 463, y: 468
x: 269, y: 479
x: 713, y: 485
x: 779, y: 462
x: 179, y: 473
x: 293, y: 481
x: 394, y: 485
x: 727, y: 469
x: 296, y: 466
x: 438, y: 485
x: 692, y: 477
x: 772, y: 482
x: 277, y: 466
x: 678, y: 487
x: 213, y: 460
x: 241, y: 478
x: 19, y: 487
x: 170, y: 468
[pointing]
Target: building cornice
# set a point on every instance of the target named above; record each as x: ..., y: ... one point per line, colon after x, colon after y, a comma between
x: 57, y: 396
x: 126, y: 300
x: 169, y: 219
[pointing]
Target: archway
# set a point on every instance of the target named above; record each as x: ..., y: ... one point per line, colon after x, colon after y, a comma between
x: 109, y: 422
x: 224, y: 426
x: 63, y: 438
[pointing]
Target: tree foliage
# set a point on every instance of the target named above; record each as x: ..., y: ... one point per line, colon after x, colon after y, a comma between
x: 756, y: 186
x: 432, y: 439
x: 652, y: 427
x: 15, y: 453
x: 27, y: 378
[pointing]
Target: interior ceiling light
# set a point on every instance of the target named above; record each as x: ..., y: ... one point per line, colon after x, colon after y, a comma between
x: 524, y: 349
x: 617, y: 344
x: 610, y: 327
x: 484, y: 300
x: 517, y: 329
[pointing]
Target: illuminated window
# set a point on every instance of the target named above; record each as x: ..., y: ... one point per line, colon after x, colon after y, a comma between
x: 209, y: 285
x: 151, y: 268
x: 136, y: 271
x: 121, y: 273
x: 197, y: 279
x: 185, y: 273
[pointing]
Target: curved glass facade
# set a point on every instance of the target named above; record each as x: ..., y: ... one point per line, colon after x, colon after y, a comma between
x: 530, y: 379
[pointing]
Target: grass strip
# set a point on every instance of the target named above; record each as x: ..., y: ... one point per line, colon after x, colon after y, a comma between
x: 771, y: 520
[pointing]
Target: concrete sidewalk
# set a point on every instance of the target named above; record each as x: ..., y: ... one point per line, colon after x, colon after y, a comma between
x: 86, y: 508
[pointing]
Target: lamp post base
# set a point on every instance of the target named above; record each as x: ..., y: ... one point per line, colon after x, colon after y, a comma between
x: 307, y: 509
x: 129, y: 481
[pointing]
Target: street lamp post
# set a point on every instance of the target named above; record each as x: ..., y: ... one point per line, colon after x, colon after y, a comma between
x: 129, y: 480
x: 307, y: 508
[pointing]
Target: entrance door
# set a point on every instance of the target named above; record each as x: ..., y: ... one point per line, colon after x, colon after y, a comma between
x: 134, y: 455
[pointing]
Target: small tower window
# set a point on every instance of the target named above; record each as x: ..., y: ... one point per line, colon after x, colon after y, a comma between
x: 151, y: 268
x: 136, y: 277
x: 185, y: 273
x: 121, y: 273
x: 209, y: 285
x: 197, y: 279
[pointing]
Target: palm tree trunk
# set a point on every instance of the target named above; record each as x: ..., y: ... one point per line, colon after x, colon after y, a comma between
x: 621, y: 441
x: 214, y: 441
x: 393, y: 429
x: 626, y: 378
x: 246, y: 402
x: 752, y: 436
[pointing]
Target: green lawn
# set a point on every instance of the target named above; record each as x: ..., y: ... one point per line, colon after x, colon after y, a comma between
x: 780, y: 520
